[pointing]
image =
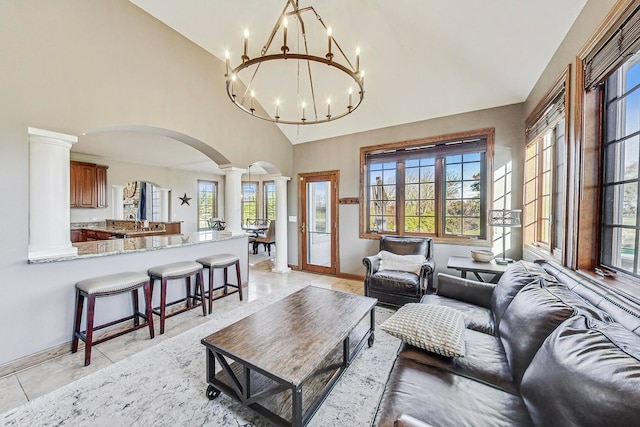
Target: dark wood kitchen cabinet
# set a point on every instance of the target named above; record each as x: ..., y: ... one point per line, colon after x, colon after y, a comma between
x: 88, y: 185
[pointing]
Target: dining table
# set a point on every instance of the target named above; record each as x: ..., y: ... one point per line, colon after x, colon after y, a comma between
x: 255, y: 229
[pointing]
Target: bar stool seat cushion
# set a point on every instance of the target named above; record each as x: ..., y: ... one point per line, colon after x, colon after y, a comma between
x: 175, y: 269
x: 119, y: 282
x: 219, y: 260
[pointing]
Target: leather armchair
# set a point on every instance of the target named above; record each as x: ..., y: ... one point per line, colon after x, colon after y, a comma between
x: 396, y: 288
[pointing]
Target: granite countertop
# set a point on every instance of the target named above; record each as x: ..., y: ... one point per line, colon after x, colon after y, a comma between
x: 99, y: 248
x: 124, y: 231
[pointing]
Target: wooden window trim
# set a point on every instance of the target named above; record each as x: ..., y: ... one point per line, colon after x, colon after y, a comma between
x: 562, y: 83
x: 488, y: 133
x: 584, y: 252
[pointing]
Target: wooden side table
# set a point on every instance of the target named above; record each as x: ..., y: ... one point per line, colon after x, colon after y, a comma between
x: 467, y: 264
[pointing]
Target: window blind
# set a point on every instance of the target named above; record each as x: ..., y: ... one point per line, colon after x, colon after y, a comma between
x: 549, y: 115
x: 622, y: 43
x: 433, y: 150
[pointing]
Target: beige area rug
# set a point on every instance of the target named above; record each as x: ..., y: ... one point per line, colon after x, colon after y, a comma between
x: 165, y: 386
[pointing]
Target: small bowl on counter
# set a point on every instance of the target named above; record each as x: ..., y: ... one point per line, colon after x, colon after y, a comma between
x: 481, y: 255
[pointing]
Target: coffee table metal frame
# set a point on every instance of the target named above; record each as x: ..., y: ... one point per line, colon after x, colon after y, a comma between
x: 242, y: 377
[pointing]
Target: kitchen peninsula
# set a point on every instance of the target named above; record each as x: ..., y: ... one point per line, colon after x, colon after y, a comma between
x: 102, y: 257
x: 126, y: 245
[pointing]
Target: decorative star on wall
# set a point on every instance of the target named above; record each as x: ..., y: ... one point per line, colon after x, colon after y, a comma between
x: 184, y: 199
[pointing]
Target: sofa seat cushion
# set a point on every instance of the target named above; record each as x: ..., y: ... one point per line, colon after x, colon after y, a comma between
x: 442, y: 398
x: 395, y: 282
x: 587, y: 373
x: 511, y: 282
x: 484, y: 361
x: 475, y: 317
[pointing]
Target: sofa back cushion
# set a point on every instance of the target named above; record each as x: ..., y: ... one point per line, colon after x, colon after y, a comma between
x: 515, y: 278
x: 586, y: 373
x: 534, y: 313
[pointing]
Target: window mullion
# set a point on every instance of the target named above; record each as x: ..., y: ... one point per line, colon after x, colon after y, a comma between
x: 440, y: 182
x: 400, y: 197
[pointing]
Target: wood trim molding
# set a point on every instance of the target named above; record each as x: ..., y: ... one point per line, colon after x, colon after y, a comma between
x: 489, y: 133
x: 584, y: 149
x: 564, y: 80
x: 350, y: 276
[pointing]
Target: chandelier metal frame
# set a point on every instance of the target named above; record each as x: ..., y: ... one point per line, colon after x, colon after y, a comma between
x: 291, y: 9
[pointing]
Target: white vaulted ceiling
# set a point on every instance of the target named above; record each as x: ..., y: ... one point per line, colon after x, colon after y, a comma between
x: 423, y: 58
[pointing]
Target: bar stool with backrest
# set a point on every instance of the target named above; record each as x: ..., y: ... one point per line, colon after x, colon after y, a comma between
x: 174, y: 271
x: 106, y: 286
x: 224, y: 261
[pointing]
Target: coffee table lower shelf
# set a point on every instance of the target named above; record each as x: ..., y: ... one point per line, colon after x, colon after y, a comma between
x: 278, y: 400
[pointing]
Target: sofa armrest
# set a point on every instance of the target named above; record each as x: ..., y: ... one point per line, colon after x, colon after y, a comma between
x: 428, y: 267
x: 405, y: 420
x: 372, y: 264
x: 470, y: 291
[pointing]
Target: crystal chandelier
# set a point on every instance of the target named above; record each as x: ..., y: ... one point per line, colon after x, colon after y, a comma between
x: 311, y: 79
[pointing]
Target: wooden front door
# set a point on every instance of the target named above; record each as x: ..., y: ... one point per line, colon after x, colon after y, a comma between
x: 318, y: 228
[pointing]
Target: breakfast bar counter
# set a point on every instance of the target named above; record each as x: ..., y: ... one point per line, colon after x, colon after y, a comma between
x: 99, y: 248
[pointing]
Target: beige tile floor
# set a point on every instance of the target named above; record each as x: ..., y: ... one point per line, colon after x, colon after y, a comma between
x: 33, y: 382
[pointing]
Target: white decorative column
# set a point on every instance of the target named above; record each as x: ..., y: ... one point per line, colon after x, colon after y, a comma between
x: 49, y: 214
x: 117, y: 201
x: 282, y: 266
x: 164, y: 204
x: 233, y: 199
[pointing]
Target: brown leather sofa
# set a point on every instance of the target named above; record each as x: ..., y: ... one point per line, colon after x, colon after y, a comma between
x: 544, y: 347
x: 396, y: 288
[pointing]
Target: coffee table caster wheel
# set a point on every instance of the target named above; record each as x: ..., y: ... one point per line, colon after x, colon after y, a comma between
x: 212, y: 392
x: 371, y: 340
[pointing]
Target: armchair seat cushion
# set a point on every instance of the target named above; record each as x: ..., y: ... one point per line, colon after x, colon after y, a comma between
x: 395, y: 282
x: 475, y: 317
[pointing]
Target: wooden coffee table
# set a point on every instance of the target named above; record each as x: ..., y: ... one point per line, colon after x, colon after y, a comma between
x: 283, y: 360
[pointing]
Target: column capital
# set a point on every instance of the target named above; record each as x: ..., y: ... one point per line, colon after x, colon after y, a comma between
x: 49, y: 137
x: 282, y: 178
x: 232, y: 170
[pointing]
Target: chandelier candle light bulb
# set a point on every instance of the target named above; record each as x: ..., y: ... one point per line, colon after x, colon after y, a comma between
x: 329, y: 108
x: 357, y: 60
x: 246, y: 45
x: 350, y: 99
x: 329, y: 33
x: 285, y: 24
x: 253, y: 95
x: 303, y: 117
x: 277, y: 108
x: 226, y: 62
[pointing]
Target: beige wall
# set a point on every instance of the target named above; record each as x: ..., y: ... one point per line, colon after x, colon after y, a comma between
x: 74, y: 65
x: 343, y: 153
